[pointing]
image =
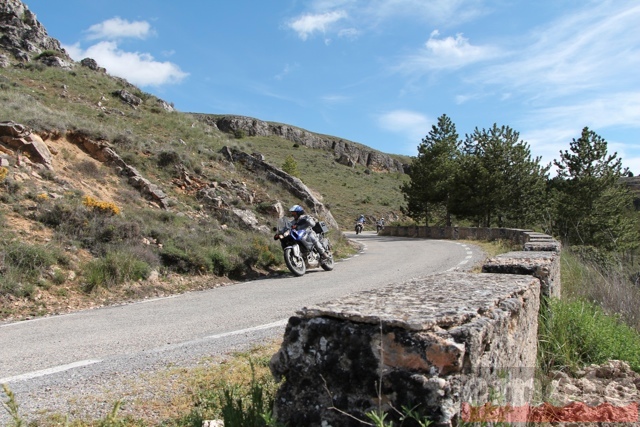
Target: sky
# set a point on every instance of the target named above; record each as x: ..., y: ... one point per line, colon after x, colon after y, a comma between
x: 378, y: 72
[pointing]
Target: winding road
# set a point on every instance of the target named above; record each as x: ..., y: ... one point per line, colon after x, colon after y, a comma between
x: 78, y: 352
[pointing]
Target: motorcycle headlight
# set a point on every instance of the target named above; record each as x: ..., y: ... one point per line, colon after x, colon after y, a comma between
x: 285, y: 234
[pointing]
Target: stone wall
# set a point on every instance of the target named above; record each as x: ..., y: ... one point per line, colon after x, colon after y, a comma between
x: 432, y: 344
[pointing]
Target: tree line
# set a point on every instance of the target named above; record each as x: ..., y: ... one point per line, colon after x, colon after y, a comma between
x: 490, y: 179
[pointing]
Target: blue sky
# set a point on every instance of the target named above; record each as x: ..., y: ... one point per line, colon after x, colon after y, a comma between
x: 378, y: 72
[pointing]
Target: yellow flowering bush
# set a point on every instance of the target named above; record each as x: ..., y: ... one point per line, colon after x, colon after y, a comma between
x: 3, y: 173
x: 101, y: 206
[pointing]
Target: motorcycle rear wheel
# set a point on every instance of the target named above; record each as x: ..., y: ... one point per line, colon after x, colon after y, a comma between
x: 294, y: 264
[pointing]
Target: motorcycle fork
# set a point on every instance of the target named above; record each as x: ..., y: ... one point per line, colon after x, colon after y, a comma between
x: 296, y: 250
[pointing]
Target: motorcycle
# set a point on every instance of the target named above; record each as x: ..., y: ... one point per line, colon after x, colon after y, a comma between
x: 359, y: 227
x: 379, y: 226
x: 299, y: 253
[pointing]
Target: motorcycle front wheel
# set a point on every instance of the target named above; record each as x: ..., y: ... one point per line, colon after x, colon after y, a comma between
x: 294, y: 264
x: 327, y: 264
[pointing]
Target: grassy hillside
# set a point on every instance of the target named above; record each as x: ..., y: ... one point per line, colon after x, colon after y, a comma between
x: 91, y: 238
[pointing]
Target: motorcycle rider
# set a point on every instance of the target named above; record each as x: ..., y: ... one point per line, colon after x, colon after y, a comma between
x: 360, y: 223
x: 302, y: 221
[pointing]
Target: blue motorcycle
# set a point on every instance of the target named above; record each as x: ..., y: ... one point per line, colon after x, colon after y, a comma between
x: 299, y: 252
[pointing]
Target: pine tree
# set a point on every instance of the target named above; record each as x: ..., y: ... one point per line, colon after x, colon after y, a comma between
x: 290, y: 166
x: 592, y: 206
x: 431, y: 173
x: 497, y: 181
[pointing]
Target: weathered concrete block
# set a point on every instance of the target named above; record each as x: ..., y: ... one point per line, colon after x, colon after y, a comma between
x: 542, y: 265
x: 431, y: 343
x: 543, y: 245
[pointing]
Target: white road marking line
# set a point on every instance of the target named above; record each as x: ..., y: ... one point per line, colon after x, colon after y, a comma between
x: 54, y: 370
x: 252, y: 329
x: 62, y: 368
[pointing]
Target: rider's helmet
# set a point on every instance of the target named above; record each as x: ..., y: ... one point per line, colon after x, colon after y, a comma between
x: 361, y: 216
x: 296, y: 211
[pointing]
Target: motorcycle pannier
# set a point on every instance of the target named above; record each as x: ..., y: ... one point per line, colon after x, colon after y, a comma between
x: 321, y: 227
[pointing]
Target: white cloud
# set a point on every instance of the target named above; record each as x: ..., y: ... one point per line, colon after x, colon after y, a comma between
x: 449, y: 53
x: 413, y: 125
x: 335, y: 99
x: 308, y: 24
x: 349, y: 33
x: 591, y: 49
x: 118, y: 28
x: 551, y: 129
x: 434, y: 12
x: 137, y: 68
x: 288, y: 69
x: 598, y: 111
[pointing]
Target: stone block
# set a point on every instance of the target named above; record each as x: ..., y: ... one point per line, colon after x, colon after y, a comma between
x: 430, y: 344
x: 542, y: 245
x: 543, y: 265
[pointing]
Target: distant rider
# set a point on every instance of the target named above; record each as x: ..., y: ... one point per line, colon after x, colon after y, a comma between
x: 302, y: 221
x: 360, y: 220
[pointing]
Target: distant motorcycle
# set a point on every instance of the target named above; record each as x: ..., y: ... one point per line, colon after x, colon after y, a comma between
x: 379, y: 226
x: 299, y: 253
x: 359, y: 227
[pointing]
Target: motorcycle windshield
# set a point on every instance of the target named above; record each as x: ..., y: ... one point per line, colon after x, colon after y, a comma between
x: 284, y: 224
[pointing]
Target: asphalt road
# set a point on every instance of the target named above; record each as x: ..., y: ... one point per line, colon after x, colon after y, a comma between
x: 79, y: 351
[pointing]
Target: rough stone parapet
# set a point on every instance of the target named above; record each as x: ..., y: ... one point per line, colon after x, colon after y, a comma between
x: 530, y: 240
x: 543, y: 265
x: 429, y: 344
x: 542, y: 245
x: 517, y: 236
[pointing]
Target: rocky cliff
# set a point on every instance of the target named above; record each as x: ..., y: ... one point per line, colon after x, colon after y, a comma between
x: 347, y: 152
x: 23, y: 36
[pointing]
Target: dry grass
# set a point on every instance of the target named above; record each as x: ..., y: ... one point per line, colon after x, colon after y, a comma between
x: 608, y: 288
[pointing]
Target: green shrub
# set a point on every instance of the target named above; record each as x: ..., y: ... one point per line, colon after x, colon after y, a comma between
x: 114, y: 269
x: 29, y: 260
x: 577, y: 333
x: 168, y: 158
x: 221, y: 265
x: 185, y: 260
x: 22, y: 266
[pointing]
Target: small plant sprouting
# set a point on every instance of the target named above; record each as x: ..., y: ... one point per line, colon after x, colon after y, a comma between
x: 11, y: 407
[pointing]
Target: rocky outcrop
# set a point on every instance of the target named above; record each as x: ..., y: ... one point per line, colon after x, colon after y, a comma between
x: 128, y: 98
x: 91, y: 64
x: 346, y: 152
x: 22, y: 141
x: 293, y: 185
x: 103, y: 152
x: 23, y: 36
